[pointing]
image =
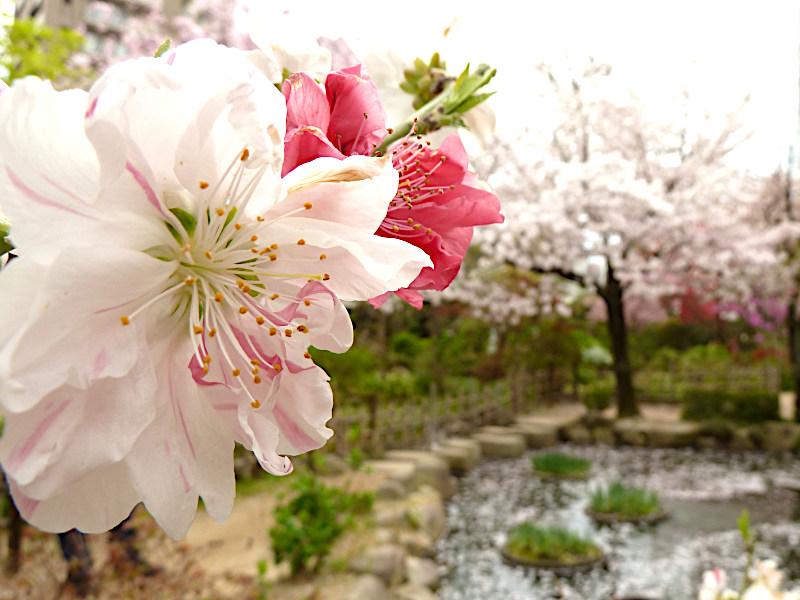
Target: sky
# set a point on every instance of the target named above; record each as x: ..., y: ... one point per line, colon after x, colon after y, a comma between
x: 723, y: 51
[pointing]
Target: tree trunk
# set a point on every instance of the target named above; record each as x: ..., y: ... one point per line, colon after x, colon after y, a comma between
x: 611, y: 293
x: 793, y: 325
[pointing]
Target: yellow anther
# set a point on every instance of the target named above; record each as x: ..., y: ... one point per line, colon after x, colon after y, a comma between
x: 208, y: 254
x: 273, y: 257
x: 245, y: 288
x: 410, y: 220
x: 395, y: 228
x: 125, y: 320
x: 242, y: 310
x: 240, y: 283
x: 428, y: 230
x: 325, y: 277
x: 323, y: 256
x: 274, y: 246
x: 198, y: 330
x: 207, y: 359
x: 308, y: 205
x: 255, y: 361
x: 301, y: 242
x: 288, y: 332
x: 218, y: 297
x: 220, y: 212
x: 235, y: 372
x: 245, y: 155
x: 306, y: 354
x: 212, y: 333
x: 186, y: 248
x: 254, y: 238
x: 255, y: 371
x: 259, y: 219
x: 254, y: 250
x: 203, y: 185
x: 255, y: 404
x: 189, y: 280
x: 260, y: 320
x: 238, y: 226
x: 277, y: 368
x: 417, y: 226
x: 272, y: 331
x: 205, y: 370
x: 274, y: 296
x: 256, y: 379
x: 302, y: 329
x: 307, y: 302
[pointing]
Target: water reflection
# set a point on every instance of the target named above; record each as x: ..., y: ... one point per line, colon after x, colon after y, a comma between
x: 705, y: 492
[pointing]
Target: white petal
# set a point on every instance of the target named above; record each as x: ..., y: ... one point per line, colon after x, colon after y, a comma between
x: 71, y: 432
x: 48, y: 170
x: 93, y: 504
x: 303, y: 405
x: 73, y: 332
x: 354, y: 192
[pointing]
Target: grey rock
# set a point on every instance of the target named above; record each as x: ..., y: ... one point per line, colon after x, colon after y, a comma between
x: 537, y: 435
x: 417, y: 543
x: 505, y: 445
x: 391, y: 489
x: 425, y: 513
x: 422, y: 571
x: 604, y: 435
x: 429, y: 469
x: 367, y: 587
x: 577, y: 434
x: 414, y: 592
x: 386, y: 561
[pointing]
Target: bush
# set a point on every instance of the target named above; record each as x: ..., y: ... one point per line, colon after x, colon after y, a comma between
x: 564, y: 465
x: 598, y: 397
x: 739, y: 406
x: 549, y: 543
x: 310, y: 523
x: 624, y: 501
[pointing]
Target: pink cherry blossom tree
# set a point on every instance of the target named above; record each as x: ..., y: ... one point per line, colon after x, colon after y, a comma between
x: 618, y: 196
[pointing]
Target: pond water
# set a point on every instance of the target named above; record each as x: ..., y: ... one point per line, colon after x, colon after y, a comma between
x: 705, y: 492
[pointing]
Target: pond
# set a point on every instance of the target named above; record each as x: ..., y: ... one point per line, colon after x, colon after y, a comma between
x: 705, y: 492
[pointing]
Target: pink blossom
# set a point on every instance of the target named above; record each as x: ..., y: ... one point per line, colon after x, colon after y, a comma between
x: 438, y: 201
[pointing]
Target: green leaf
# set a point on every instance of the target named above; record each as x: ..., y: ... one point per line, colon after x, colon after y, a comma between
x: 163, y: 47
x: 744, y: 526
x: 187, y: 220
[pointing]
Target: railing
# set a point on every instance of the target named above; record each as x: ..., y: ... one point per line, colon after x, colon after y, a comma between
x: 670, y: 385
x: 425, y: 421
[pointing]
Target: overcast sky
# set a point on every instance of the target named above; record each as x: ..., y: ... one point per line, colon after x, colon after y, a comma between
x: 722, y: 50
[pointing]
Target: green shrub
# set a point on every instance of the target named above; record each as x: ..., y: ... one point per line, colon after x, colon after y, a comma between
x: 310, y: 523
x: 624, y: 501
x: 598, y: 397
x: 564, y: 465
x: 549, y: 543
x: 738, y: 406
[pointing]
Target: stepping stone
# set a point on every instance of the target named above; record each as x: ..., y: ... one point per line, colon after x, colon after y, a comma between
x: 402, y: 471
x: 631, y: 432
x: 505, y: 444
x: 537, y: 435
x: 560, y: 421
x: 779, y: 437
x: 665, y: 434
x: 430, y: 469
x: 460, y: 458
x: 386, y: 561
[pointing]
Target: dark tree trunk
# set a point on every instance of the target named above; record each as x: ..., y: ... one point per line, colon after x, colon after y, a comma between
x: 793, y: 325
x: 611, y: 293
x: 14, y: 525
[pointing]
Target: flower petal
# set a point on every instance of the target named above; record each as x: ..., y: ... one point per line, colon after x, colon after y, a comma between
x: 73, y: 324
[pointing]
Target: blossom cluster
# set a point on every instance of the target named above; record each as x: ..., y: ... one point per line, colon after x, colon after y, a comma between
x: 183, y: 232
x: 765, y: 585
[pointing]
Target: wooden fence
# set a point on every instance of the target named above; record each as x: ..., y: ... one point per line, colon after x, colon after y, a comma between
x: 420, y: 423
x: 430, y: 419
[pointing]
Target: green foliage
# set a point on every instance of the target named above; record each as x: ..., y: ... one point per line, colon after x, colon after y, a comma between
x: 310, y: 523
x: 624, y: 501
x: 549, y: 543
x: 564, y: 465
x: 31, y: 48
x: 598, y: 397
x: 355, y: 458
x: 739, y: 406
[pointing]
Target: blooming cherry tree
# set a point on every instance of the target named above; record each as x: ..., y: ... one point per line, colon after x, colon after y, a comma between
x: 616, y: 197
